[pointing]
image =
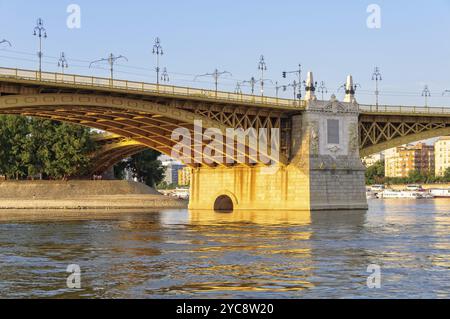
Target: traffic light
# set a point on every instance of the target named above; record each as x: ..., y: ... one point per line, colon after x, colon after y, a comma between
x: 284, y: 74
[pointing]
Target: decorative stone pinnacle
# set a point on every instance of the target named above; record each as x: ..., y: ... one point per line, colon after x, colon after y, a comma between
x: 310, y: 88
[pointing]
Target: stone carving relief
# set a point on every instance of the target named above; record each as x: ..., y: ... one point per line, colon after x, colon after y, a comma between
x: 333, y: 106
x: 353, y: 138
x: 314, y: 138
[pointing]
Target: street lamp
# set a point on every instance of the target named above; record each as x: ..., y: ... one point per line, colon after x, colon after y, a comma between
x: 322, y: 89
x: 165, y: 76
x: 40, y: 32
x: 376, y: 76
x: 426, y: 93
x: 158, y: 51
x: 216, y: 76
x: 111, y: 59
x: 62, y: 63
x: 262, y: 66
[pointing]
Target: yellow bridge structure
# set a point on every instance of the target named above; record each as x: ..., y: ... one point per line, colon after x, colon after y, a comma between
x: 321, y: 142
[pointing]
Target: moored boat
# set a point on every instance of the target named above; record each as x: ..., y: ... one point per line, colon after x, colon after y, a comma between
x: 440, y: 193
x: 389, y: 194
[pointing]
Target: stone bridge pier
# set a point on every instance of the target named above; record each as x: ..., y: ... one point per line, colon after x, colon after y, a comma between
x: 325, y: 171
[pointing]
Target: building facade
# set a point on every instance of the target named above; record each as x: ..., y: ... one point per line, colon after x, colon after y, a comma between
x: 402, y: 161
x: 172, y: 167
x: 184, y: 176
x: 442, y: 155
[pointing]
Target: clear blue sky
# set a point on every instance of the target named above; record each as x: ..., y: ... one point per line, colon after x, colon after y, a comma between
x: 329, y: 37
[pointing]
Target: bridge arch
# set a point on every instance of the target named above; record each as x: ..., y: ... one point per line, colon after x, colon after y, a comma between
x: 225, y: 201
x: 146, y: 122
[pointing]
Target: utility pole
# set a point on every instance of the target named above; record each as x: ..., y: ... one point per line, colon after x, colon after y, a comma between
x: 165, y: 76
x: 111, y: 59
x: 426, y: 93
x: 216, y: 76
x: 238, y: 89
x: 322, y: 89
x: 295, y: 85
x: 376, y: 76
x: 262, y: 66
x: 278, y: 87
x: 5, y: 41
x: 298, y: 73
x: 62, y: 63
x: 158, y: 51
x: 252, y: 83
x: 40, y: 32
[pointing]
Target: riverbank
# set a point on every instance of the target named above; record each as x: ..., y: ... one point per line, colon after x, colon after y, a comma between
x: 424, y: 186
x: 78, y: 195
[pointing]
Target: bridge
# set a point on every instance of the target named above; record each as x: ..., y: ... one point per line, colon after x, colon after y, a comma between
x: 112, y: 149
x: 320, y: 142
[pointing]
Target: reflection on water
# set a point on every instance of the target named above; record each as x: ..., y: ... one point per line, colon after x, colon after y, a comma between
x: 173, y: 254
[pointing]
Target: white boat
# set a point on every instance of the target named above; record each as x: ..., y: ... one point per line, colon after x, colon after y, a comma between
x: 440, y: 193
x: 414, y: 188
x: 388, y: 194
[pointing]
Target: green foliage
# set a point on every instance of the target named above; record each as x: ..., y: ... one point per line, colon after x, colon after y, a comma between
x: 144, y: 166
x: 375, y: 173
x: 30, y: 147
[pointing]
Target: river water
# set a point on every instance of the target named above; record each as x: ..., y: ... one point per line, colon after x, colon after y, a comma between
x: 177, y: 254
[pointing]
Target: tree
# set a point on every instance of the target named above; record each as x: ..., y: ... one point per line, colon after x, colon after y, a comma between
x: 375, y: 174
x: 144, y: 166
x: 446, y: 177
x: 13, y: 136
x: 31, y: 147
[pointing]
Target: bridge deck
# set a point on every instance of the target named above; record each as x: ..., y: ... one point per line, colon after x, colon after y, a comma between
x: 142, y: 88
x: 72, y: 81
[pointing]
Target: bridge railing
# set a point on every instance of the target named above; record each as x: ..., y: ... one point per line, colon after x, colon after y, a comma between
x: 145, y: 88
x: 404, y: 109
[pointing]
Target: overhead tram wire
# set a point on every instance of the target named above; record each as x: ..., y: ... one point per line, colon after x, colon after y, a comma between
x: 120, y: 67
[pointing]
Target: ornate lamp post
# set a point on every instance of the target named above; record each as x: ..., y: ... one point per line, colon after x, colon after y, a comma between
x: 158, y: 51
x: 165, y: 76
x: 426, y: 93
x: 262, y: 66
x: 322, y: 89
x: 40, y: 32
x: 62, y: 63
x: 376, y: 76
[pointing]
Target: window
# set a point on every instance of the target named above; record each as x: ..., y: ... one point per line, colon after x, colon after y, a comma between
x: 333, y: 131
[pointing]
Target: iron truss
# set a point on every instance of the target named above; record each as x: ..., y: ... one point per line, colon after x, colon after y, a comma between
x: 378, y: 133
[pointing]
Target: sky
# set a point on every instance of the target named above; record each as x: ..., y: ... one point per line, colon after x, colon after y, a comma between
x: 329, y: 37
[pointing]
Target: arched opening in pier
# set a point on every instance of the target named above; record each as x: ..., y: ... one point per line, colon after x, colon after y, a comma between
x: 224, y: 204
